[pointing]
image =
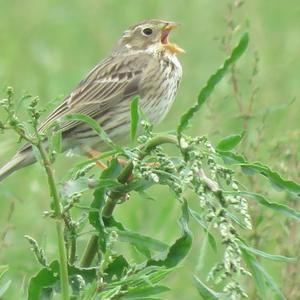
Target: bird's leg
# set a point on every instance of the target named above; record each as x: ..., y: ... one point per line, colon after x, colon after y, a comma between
x: 92, y: 153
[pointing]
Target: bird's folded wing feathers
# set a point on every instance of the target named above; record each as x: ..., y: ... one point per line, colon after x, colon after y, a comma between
x: 110, y: 81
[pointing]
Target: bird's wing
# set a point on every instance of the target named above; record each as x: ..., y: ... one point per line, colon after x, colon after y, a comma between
x: 112, y: 80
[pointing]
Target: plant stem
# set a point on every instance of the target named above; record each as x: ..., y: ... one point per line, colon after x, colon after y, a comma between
x: 156, y: 141
x: 71, y: 241
x: 92, y: 246
x: 89, y: 252
x: 63, y: 262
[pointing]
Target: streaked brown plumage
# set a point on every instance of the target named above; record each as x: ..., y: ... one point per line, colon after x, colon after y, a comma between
x: 144, y: 63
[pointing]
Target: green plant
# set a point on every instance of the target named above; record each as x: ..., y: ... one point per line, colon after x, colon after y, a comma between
x: 198, y: 171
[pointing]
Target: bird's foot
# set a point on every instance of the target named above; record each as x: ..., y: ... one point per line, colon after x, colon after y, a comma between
x: 92, y: 153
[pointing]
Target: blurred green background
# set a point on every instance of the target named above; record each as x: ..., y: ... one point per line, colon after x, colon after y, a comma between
x: 46, y: 47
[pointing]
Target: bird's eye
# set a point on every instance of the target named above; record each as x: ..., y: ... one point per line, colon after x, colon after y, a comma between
x: 147, y: 31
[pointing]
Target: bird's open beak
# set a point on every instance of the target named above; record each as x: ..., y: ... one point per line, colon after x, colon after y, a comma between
x: 173, y: 48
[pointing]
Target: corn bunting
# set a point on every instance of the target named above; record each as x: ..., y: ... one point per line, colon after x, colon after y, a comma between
x: 144, y: 64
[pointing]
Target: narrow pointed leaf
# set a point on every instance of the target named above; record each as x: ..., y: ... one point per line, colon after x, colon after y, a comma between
x: 91, y: 123
x: 257, y: 167
x: 210, y: 237
x: 144, y: 293
x: 213, y: 81
x: 141, y: 240
x: 278, y: 207
x: 205, y: 292
x: 262, y: 279
x: 257, y: 276
x: 229, y: 142
x: 266, y: 255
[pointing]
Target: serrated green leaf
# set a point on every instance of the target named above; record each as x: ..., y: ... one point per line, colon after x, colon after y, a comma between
x: 48, y: 277
x: 229, y: 142
x: 178, y: 251
x: 116, y: 268
x: 213, y: 81
x: 44, y: 279
x: 273, y: 176
x: 134, y: 111
x: 143, y: 293
x: 257, y: 167
x: 278, y: 207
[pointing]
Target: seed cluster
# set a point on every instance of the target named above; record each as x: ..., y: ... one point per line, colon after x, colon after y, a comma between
x: 202, y: 173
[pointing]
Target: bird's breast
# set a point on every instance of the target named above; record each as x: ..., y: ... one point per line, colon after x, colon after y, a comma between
x: 160, y: 87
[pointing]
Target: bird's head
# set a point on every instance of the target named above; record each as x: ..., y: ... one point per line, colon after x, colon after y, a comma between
x: 150, y: 34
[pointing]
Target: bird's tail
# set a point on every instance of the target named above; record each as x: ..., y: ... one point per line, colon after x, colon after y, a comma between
x: 20, y: 160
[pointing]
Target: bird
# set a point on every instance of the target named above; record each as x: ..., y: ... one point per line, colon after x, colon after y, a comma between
x: 144, y: 64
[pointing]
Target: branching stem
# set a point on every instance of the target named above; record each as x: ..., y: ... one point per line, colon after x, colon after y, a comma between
x: 63, y: 262
x: 114, y: 197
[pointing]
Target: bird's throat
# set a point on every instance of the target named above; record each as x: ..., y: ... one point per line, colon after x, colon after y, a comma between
x: 173, y: 48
